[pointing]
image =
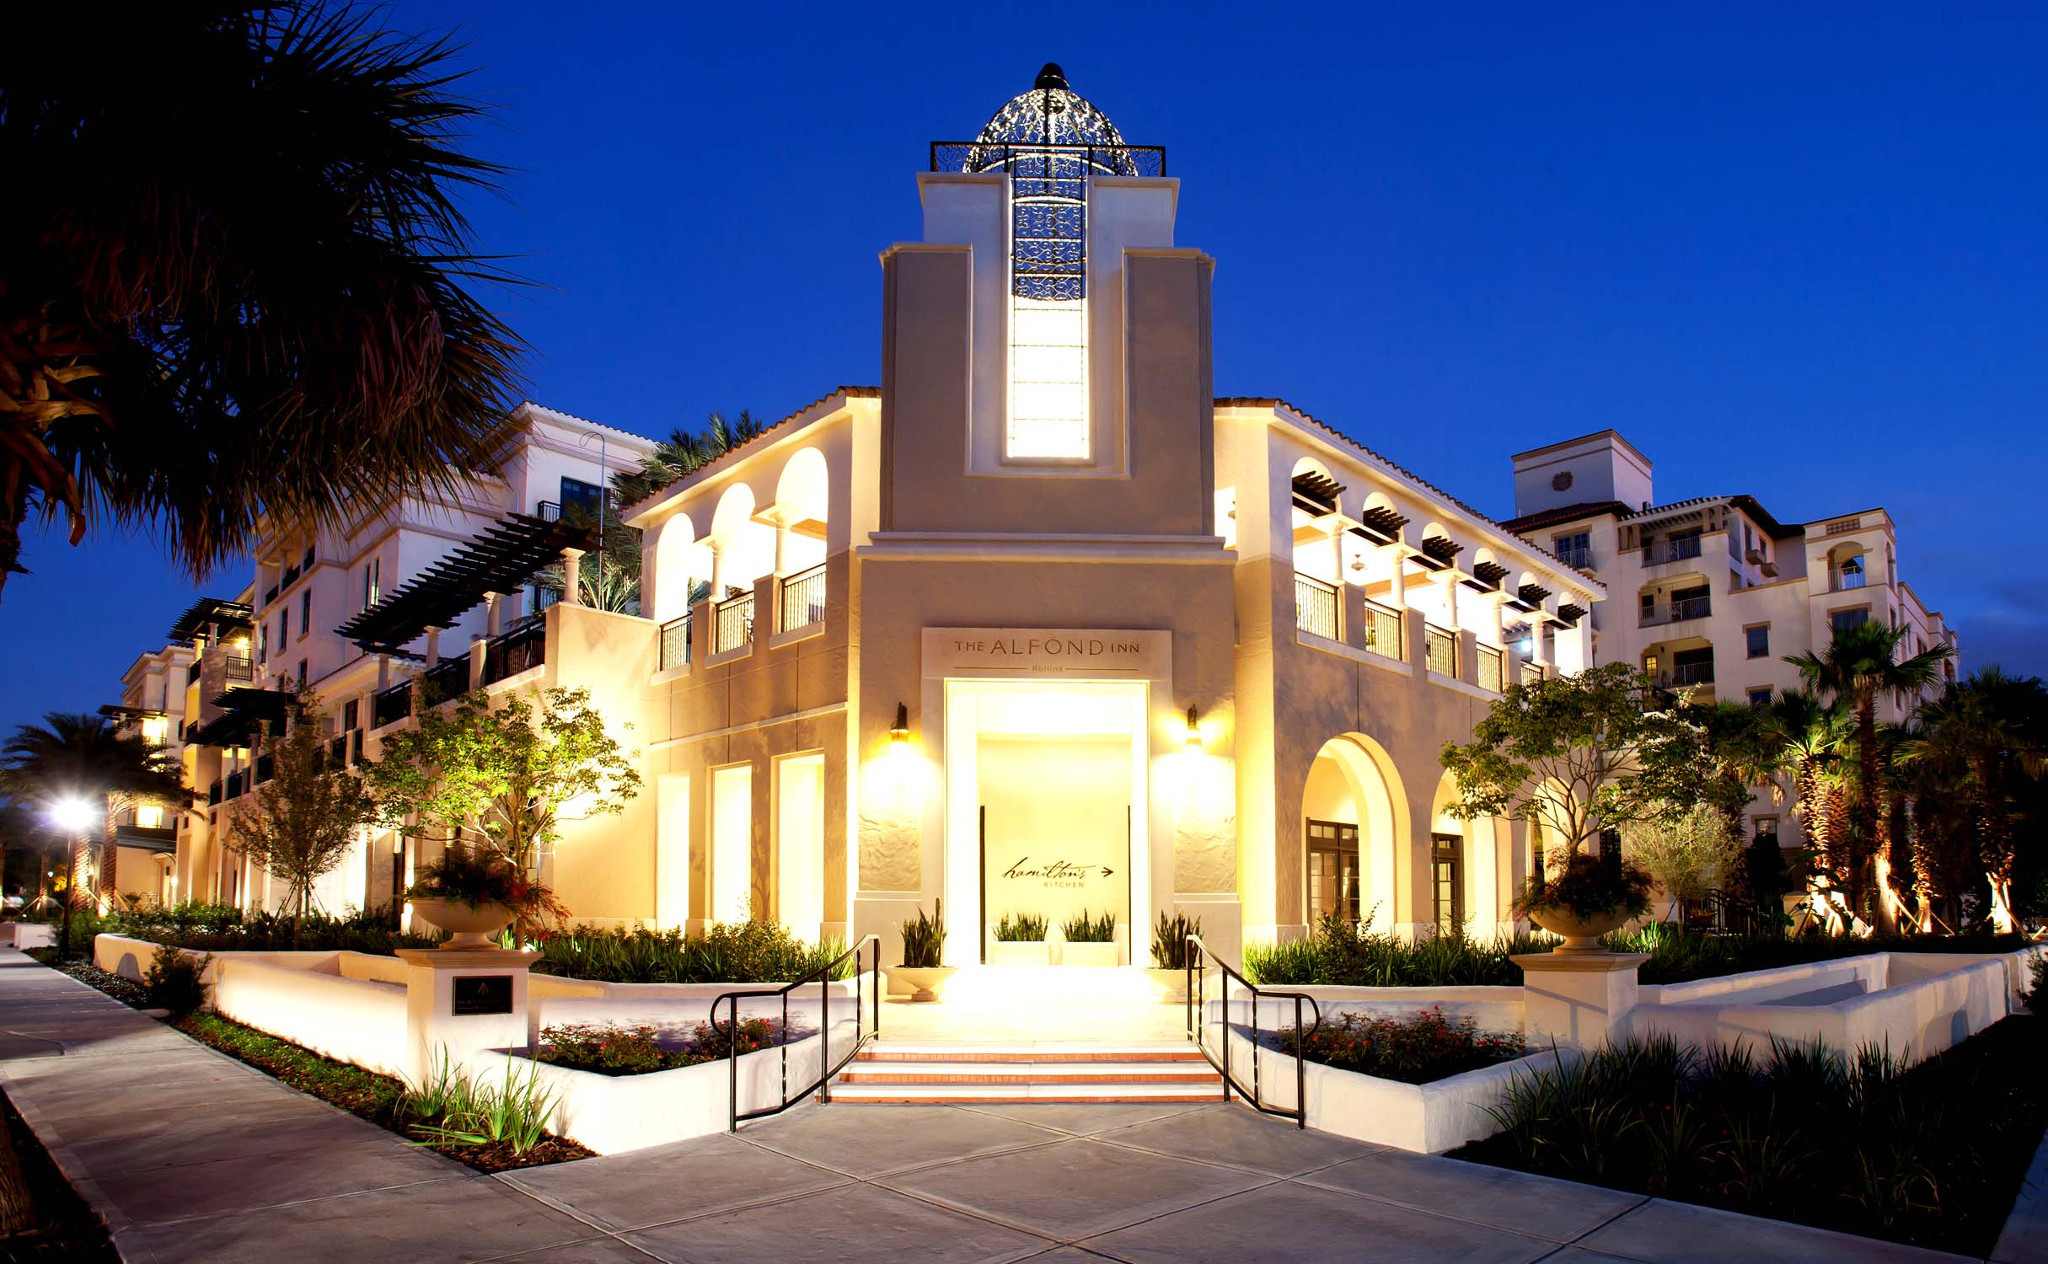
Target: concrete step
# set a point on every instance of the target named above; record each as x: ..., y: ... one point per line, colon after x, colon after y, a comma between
x: 902, y: 1072
x: 893, y: 1051
x: 964, y: 1072
x: 1044, y: 1091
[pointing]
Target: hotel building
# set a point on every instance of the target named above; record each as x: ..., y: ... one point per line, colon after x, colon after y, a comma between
x: 1039, y: 625
x: 1711, y: 594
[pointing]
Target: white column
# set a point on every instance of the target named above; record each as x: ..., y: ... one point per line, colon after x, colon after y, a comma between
x: 433, y: 646
x: 1397, y: 597
x: 571, y: 577
x: 717, y: 572
x: 491, y: 618
x: 781, y: 545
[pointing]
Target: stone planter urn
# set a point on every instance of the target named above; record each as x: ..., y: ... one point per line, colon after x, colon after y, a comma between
x: 1581, y: 934
x: 1169, y: 982
x: 469, y: 928
x: 924, y: 983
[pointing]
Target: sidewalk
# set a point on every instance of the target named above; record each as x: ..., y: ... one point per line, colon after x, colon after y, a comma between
x: 192, y: 1156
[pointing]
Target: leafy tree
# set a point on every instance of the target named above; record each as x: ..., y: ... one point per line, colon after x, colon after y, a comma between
x: 1580, y: 754
x: 502, y: 775
x: 1860, y: 664
x: 236, y: 283
x: 305, y: 818
x: 82, y: 756
x: 1988, y: 733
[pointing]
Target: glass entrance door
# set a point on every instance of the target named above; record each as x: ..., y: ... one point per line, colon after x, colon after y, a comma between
x: 1447, y: 881
x: 1332, y: 871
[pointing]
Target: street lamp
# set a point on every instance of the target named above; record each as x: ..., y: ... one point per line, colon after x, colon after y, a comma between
x: 71, y: 815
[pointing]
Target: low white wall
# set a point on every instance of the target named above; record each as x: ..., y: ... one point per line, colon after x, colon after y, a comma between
x: 615, y: 1113
x: 28, y: 935
x: 350, y: 1020
x: 1933, y: 1003
x: 1490, y: 1008
x: 1755, y: 986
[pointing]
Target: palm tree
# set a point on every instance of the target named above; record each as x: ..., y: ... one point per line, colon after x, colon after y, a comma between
x: 1990, y: 730
x: 1861, y: 663
x: 237, y: 277
x: 1805, y: 738
x: 82, y: 756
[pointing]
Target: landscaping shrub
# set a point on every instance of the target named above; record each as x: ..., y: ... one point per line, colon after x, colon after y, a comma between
x: 2037, y: 995
x: 924, y: 939
x: 615, y: 1049
x: 1083, y: 929
x: 1017, y: 928
x: 175, y: 982
x: 1930, y: 1155
x: 1170, y: 948
x: 1416, y: 1050
x: 1336, y: 952
x: 455, y: 1108
x: 1677, y: 957
x: 737, y: 952
x: 225, y: 928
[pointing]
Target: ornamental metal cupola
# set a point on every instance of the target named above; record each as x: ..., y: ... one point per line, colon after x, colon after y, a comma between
x: 1051, y: 143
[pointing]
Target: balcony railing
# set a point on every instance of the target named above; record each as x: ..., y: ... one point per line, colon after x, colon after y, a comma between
x: 734, y: 623
x: 389, y: 706
x: 1677, y: 550
x: 237, y: 667
x: 518, y: 650
x: 1441, y: 648
x: 803, y: 599
x: 1677, y: 612
x: 1533, y: 672
x: 675, y: 643
x: 1578, y: 559
x: 1490, y: 669
x: 1686, y: 675
x: 1383, y: 630
x: 1315, y: 607
x: 447, y: 679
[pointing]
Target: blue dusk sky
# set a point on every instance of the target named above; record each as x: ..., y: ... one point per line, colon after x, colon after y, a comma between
x: 1794, y: 251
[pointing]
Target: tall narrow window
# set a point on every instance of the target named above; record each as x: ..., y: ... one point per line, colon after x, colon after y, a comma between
x: 1447, y: 883
x: 1332, y: 871
x: 1051, y: 142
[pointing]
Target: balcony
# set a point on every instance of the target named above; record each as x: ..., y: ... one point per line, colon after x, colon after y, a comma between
x: 732, y: 623
x: 518, y: 650
x: 1315, y: 607
x: 1686, y: 676
x: 803, y: 599
x: 1677, y: 612
x: 389, y: 706
x: 1492, y: 675
x: 1532, y: 672
x: 1678, y: 550
x: 1383, y: 630
x: 1580, y: 558
x: 675, y: 643
x: 1440, y: 647
x: 446, y: 679
x: 237, y: 667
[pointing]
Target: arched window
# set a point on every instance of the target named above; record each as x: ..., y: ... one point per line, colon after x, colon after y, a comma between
x: 1852, y: 571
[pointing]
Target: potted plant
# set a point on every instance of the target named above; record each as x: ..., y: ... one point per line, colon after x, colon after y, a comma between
x: 1586, y: 899
x: 1170, y: 954
x: 1090, y: 941
x: 1020, y: 941
x: 469, y: 893
x: 924, y: 939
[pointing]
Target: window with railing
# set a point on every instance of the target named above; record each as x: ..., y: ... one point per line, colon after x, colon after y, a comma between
x: 1677, y: 548
x: 1575, y: 550
x: 734, y: 623
x: 675, y: 643
x: 1682, y: 675
x: 1694, y: 605
x: 1383, y: 629
x: 1489, y: 665
x: 803, y: 599
x: 1315, y: 606
x: 1532, y: 672
x: 237, y: 667
x: 1441, y: 648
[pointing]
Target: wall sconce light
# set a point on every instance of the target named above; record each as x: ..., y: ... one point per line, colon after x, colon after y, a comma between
x: 1194, y: 729
x: 899, y: 732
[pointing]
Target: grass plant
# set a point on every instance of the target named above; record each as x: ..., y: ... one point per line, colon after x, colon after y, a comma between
x: 455, y: 1108
x: 924, y: 939
x: 729, y: 952
x: 1170, y: 948
x: 1021, y: 928
x: 1083, y: 929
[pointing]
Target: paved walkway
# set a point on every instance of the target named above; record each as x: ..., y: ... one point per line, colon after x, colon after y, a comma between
x: 192, y: 1156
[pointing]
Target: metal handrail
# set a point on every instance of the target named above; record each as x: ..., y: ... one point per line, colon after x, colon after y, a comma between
x: 1197, y: 1025
x: 822, y: 976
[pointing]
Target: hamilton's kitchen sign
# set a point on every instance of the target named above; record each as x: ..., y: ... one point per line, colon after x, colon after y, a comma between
x: 1084, y: 652
x: 1056, y: 874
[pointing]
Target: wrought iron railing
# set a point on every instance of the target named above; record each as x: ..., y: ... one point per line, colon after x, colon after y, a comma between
x: 1686, y: 675
x: 1315, y: 606
x: 867, y: 1004
x: 518, y: 650
x: 1677, y: 550
x: 675, y: 643
x: 1490, y: 668
x: 389, y: 706
x: 1532, y: 672
x: 237, y: 667
x: 1383, y: 630
x: 1677, y: 612
x: 1578, y: 558
x: 803, y: 599
x: 734, y: 623
x: 1441, y: 649
x: 1198, y: 1024
x: 446, y: 679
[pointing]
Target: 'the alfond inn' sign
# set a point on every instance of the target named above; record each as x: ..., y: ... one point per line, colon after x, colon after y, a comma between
x: 1100, y: 653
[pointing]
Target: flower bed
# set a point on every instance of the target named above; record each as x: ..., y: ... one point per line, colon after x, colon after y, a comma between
x: 1418, y: 1050
x: 614, y: 1049
x: 1930, y: 1155
x: 742, y: 952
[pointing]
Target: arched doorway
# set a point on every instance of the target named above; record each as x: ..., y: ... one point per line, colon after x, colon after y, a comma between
x: 1353, y: 818
x: 1469, y: 871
